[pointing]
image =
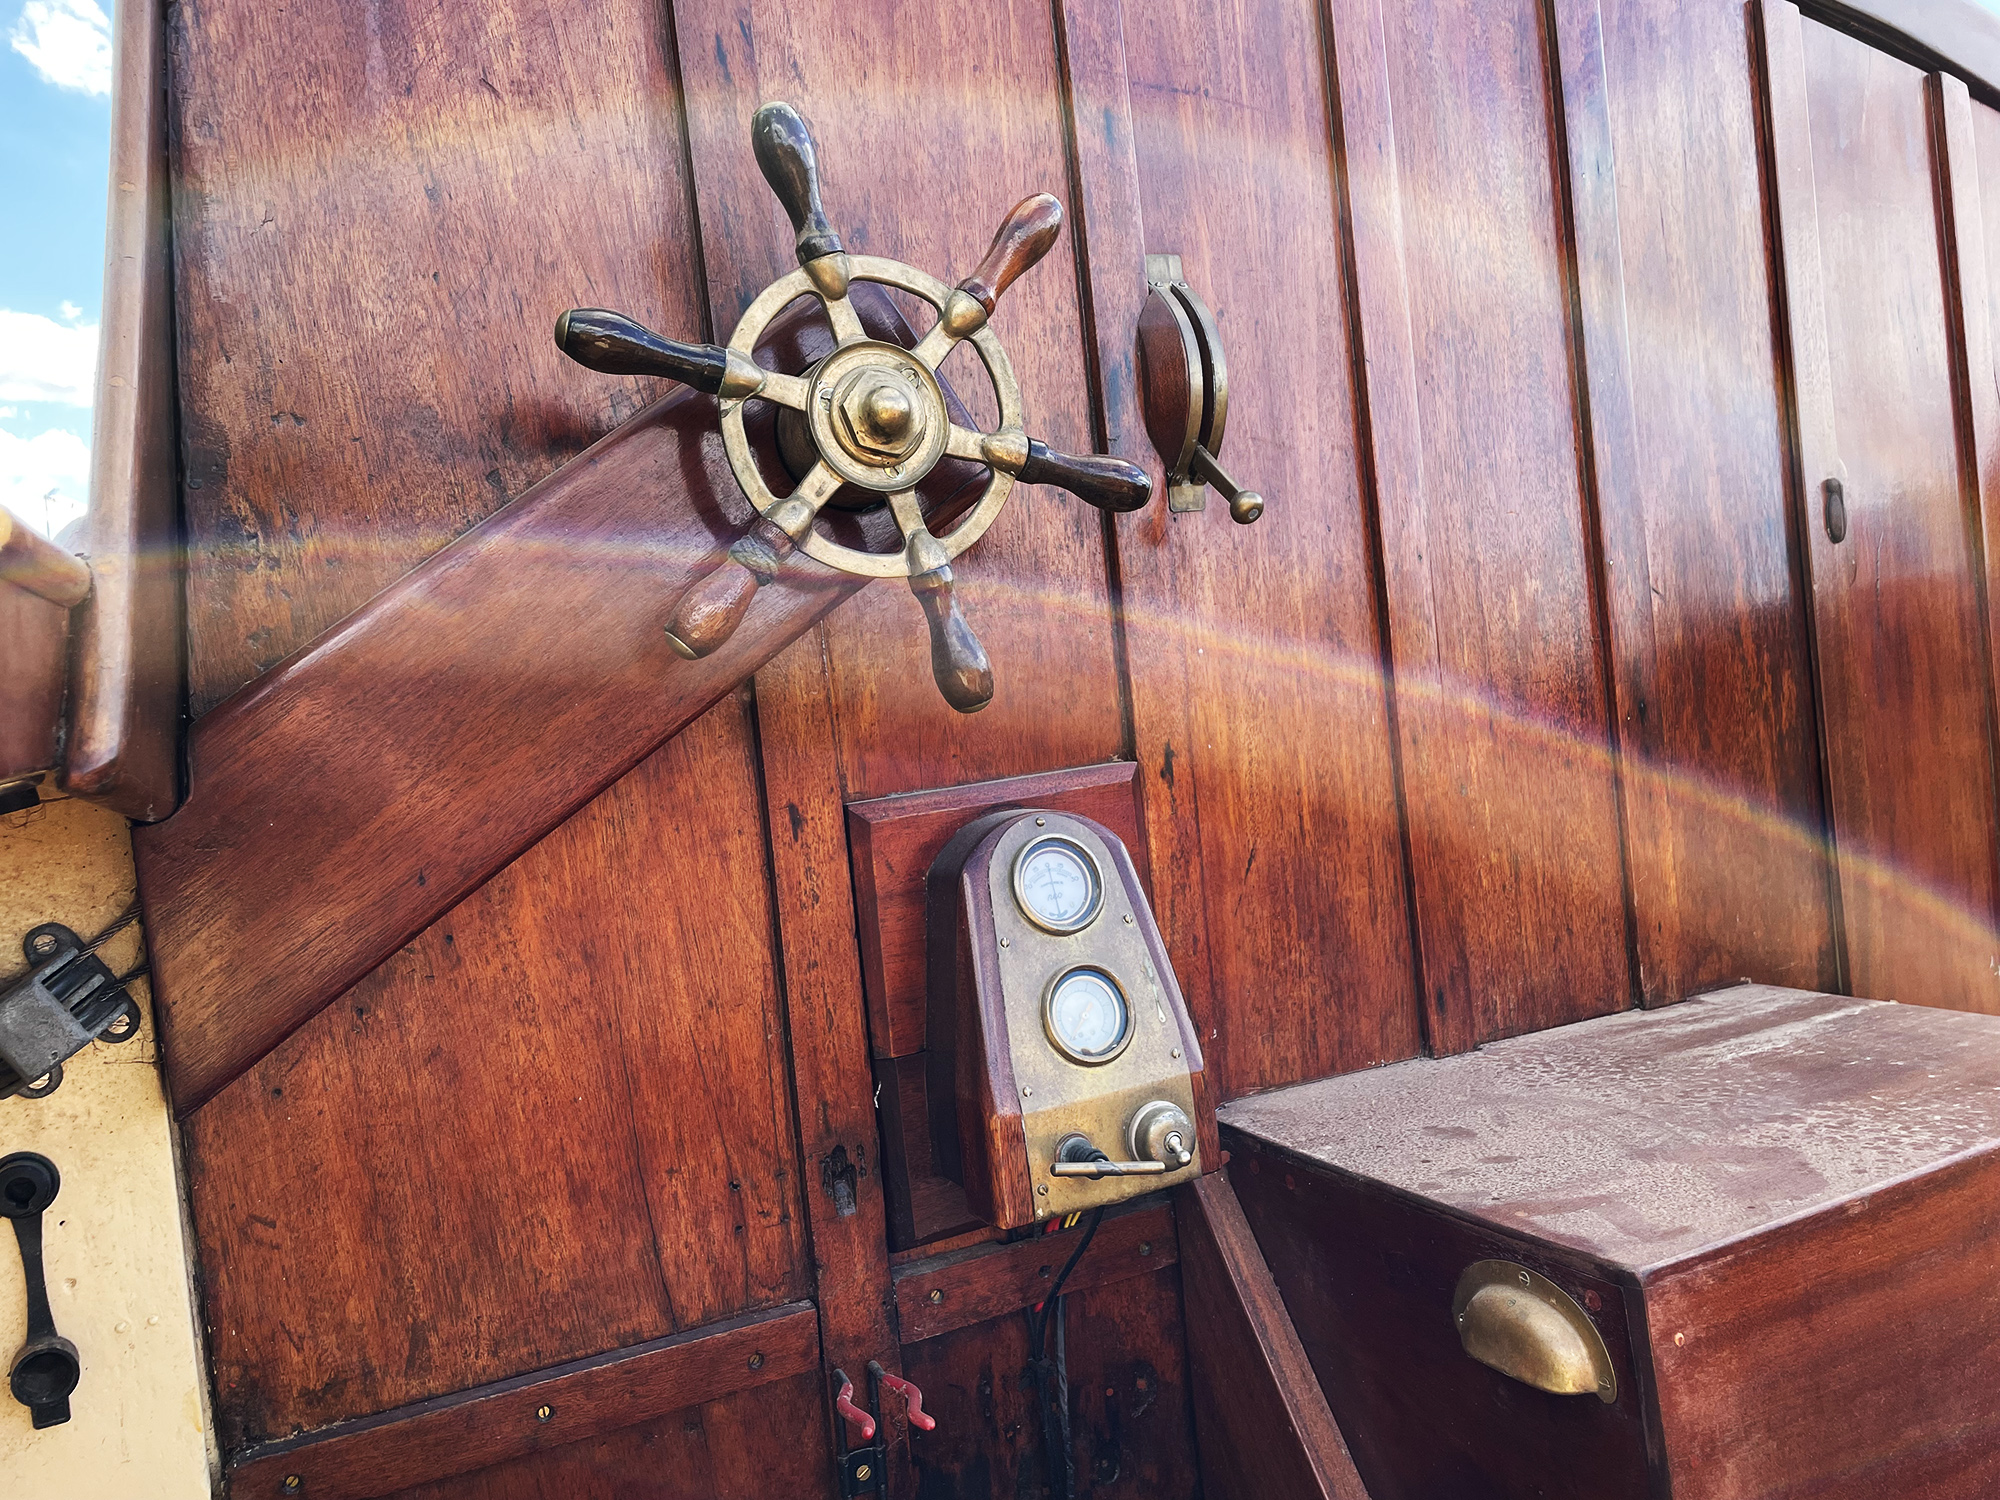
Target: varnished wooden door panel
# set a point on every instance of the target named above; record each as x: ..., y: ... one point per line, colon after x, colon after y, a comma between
x: 1710, y: 642
x: 1898, y: 608
x: 555, y: 1124
x: 1257, y: 653
x: 1495, y: 623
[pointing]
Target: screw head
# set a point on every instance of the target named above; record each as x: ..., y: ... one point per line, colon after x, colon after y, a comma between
x: 545, y: 1413
x: 1145, y: 1247
x: 863, y: 1472
x: 937, y: 1296
x: 757, y: 1360
x: 292, y: 1485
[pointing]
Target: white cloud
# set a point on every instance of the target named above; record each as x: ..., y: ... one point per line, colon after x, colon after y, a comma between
x: 43, y: 360
x: 68, y: 41
x: 45, y: 479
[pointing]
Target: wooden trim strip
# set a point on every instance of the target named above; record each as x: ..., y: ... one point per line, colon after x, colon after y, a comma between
x: 451, y: 1435
x: 129, y: 671
x: 949, y: 1292
x: 1264, y: 1423
x: 353, y: 794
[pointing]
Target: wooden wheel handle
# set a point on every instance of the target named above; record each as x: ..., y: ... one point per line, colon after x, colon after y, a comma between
x: 1023, y: 238
x: 1105, y: 482
x: 790, y: 165
x: 958, y: 661
x: 708, y: 613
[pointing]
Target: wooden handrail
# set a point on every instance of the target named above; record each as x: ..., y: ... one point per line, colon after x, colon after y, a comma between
x: 356, y: 792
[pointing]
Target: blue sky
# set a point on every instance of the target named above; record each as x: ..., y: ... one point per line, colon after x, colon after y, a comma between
x: 55, y: 146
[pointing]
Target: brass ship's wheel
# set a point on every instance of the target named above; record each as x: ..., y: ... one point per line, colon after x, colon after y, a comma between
x: 872, y: 413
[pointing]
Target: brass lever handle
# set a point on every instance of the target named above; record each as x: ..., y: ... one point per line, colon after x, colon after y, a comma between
x: 786, y: 157
x: 1245, y: 506
x: 613, y: 344
x: 1107, y: 1168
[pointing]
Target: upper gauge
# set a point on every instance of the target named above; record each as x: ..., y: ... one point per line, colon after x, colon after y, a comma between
x: 1058, y: 884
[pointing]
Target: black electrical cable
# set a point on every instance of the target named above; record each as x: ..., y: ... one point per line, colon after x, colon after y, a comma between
x: 1051, y: 1376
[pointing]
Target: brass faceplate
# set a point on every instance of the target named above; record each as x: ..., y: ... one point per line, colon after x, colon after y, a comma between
x: 1060, y: 1097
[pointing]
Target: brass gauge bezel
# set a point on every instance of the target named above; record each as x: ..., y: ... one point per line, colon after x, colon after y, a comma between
x: 1091, y: 909
x: 1049, y: 1015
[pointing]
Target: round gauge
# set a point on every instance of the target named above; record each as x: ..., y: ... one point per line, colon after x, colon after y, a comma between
x: 1087, y: 1017
x: 1057, y: 885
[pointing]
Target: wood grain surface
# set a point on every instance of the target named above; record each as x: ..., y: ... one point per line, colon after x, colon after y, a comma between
x: 449, y: 724
x: 128, y: 678
x: 557, y: 1122
x: 1898, y: 607
x: 475, y: 1429
x: 1256, y: 653
x: 1264, y: 1424
x: 961, y: 1288
x: 1493, y: 608
x: 748, y: 1446
x: 1712, y: 665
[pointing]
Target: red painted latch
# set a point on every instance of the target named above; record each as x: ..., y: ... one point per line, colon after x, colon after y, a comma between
x: 898, y: 1386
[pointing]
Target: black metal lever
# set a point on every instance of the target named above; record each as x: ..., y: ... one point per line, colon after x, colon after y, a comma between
x: 47, y: 1369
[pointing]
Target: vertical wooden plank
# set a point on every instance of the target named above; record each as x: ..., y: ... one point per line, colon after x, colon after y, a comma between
x: 1112, y: 244
x: 1264, y: 1423
x: 1897, y: 608
x: 926, y: 139
x: 122, y: 747
x: 1260, y: 707
x: 1502, y: 703
x: 826, y: 1021
x: 378, y: 211
x: 556, y: 1123
x: 1711, y: 662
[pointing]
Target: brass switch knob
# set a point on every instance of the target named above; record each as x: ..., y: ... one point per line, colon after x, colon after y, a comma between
x: 1162, y: 1132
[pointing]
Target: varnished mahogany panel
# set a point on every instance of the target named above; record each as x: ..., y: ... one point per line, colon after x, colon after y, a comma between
x: 1490, y: 561
x: 1256, y: 652
x: 1897, y: 606
x: 1132, y: 1428
x: 924, y: 144
x: 1710, y: 647
x: 471, y: 1430
x: 555, y: 1123
x: 749, y: 1446
x: 378, y: 212
x: 1844, y: 1357
x: 965, y: 1287
x: 458, y: 717
x: 1264, y: 1424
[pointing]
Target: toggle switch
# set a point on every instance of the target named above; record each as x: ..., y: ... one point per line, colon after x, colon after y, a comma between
x: 1162, y: 1132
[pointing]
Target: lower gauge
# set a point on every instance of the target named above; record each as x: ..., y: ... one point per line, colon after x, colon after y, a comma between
x: 1086, y: 1015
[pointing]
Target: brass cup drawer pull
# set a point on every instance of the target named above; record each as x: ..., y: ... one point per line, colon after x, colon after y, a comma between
x: 1525, y: 1326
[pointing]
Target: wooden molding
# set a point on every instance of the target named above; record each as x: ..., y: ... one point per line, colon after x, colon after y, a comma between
x: 353, y: 794
x: 128, y: 664
x: 434, y: 1440
x: 1264, y: 1423
x: 991, y: 1281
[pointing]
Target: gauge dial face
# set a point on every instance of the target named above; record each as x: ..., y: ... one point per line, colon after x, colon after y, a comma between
x: 1057, y: 885
x: 1087, y: 1016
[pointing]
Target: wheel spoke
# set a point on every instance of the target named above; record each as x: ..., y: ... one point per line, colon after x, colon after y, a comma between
x: 909, y: 515
x: 935, y: 346
x: 786, y: 390
x: 845, y: 320
x: 817, y: 487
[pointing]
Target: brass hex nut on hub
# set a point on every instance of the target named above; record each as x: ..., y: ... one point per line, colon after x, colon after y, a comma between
x: 878, y: 416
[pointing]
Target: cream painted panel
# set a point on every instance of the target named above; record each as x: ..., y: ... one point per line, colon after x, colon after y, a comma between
x: 116, y: 1254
